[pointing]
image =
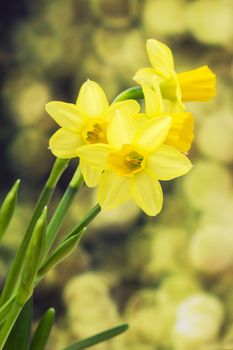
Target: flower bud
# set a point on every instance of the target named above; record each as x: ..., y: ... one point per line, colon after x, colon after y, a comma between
x: 8, y: 208
x: 32, y: 259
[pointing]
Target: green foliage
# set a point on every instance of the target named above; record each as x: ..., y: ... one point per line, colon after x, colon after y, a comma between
x: 20, y: 333
x: 43, y: 330
x: 98, y: 338
x: 63, y: 250
x: 34, y: 259
x: 8, y: 207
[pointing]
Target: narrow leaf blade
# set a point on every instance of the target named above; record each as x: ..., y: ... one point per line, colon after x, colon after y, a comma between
x: 20, y: 333
x: 98, y: 338
x: 43, y: 330
x: 63, y: 250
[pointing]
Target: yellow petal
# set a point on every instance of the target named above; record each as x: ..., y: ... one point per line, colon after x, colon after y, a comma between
x: 153, y: 133
x: 144, y: 75
x: 147, y: 193
x: 91, y: 175
x: 141, y: 119
x: 67, y: 115
x: 64, y: 144
x: 161, y: 58
x: 197, y: 84
x: 92, y: 100
x: 113, y: 190
x: 126, y: 108
x: 121, y: 130
x: 153, y: 99
x: 167, y: 163
x: 94, y: 154
x: 181, y: 134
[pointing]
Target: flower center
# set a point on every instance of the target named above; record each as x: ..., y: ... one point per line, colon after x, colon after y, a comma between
x: 133, y: 160
x: 127, y: 161
x: 95, y: 132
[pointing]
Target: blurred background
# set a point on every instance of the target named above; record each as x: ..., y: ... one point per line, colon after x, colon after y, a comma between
x: 170, y: 277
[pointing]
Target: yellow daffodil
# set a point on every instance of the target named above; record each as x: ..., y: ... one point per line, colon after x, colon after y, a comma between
x: 84, y: 122
x: 180, y: 134
x: 195, y: 85
x: 133, y: 162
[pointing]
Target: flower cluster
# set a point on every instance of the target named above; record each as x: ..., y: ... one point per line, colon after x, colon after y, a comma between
x: 124, y: 150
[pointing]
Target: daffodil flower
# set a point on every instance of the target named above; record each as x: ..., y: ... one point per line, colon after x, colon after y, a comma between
x: 193, y: 85
x: 84, y: 122
x: 180, y: 134
x: 133, y: 162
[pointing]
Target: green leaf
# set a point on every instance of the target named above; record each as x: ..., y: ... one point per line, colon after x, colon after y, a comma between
x: 20, y: 334
x: 63, y: 250
x: 31, y: 264
x: 98, y: 338
x: 43, y: 330
x: 14, y: 274
x: 8, y: 208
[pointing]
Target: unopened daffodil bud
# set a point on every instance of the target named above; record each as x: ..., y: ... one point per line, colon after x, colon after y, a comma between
x: 32, y: 260
x: 8, y: 207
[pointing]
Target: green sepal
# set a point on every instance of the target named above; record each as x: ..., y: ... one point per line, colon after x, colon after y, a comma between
x: 63, y: 250
x: 59, y: 214
x: 86, y: 220
x: 32, y: 259
x: 133, y: 93
x: 20, y: 334
x: 8, y: 208
x: 98, y: 338
x: 43, y: 330
x: 58, y: 168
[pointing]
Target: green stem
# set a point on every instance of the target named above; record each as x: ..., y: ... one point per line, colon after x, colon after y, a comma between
x: 62, y: 208
x: 77, y: 231
x: 134, y: 93
x: 13, y: 276
x: 86, y: 220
